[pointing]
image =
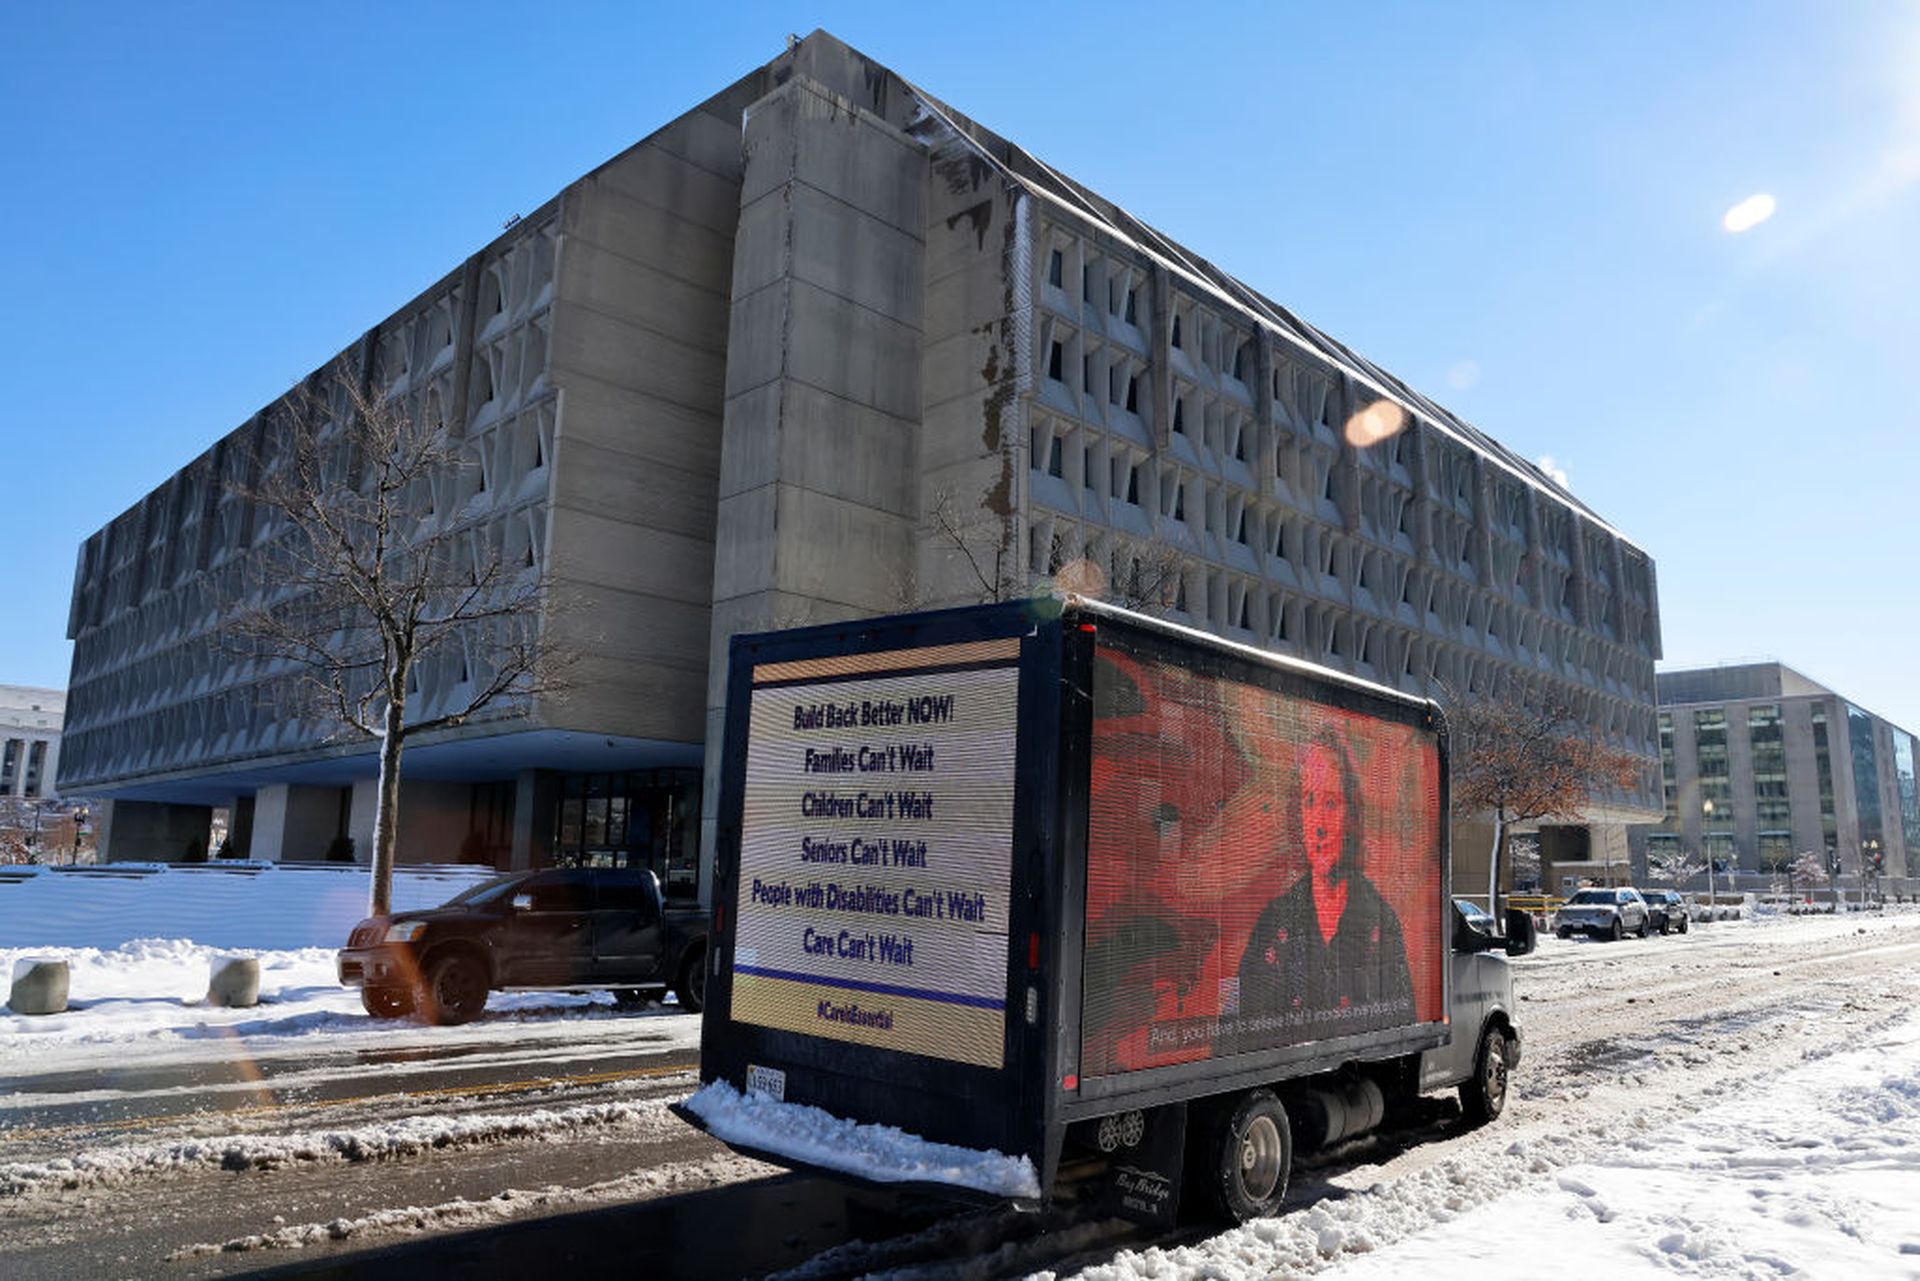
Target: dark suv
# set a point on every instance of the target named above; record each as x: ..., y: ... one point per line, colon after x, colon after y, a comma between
x: 1668, y: 909
x: 565, y: 929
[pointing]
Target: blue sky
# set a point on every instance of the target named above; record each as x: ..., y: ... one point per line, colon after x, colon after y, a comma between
x: 1516, y: 207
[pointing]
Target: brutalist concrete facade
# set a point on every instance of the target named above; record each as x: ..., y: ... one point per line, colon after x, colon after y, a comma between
x: 824, y: 347
x: 1761, y: 764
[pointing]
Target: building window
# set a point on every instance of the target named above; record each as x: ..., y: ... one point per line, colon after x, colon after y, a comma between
x: 1056, y: 266
x: 36, y: 762
x: 1056, y: 355
x: 1710, y: 745
x: 1823, y: 771
x: 1770, y: 805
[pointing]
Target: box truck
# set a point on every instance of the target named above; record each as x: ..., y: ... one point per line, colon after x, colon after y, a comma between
x: 1048, y: 895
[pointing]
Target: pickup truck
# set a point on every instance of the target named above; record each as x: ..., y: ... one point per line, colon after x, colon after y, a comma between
x: 554, y: 929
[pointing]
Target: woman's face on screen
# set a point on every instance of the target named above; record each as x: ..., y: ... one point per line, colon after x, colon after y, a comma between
x: 1323, y: 810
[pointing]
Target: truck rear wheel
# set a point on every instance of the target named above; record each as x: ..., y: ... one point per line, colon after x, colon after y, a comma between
x: 1243, y: 1158
x: 692, y: 986
x: 1483, y: 1096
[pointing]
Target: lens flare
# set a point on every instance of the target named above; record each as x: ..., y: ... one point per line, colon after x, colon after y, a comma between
x: 1749, y: 213
x: 1081, y: 577
x: 1375, y: 423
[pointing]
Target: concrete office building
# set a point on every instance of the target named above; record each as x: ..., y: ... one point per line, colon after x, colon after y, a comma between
x: 30, y: 724
x: 823, y: 347
x: 1760, y: 764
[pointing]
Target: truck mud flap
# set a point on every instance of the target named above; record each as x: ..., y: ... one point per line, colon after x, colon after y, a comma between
x: 1145, y: 1152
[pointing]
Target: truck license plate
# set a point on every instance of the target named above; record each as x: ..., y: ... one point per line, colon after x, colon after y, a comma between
x: 771, y: 1082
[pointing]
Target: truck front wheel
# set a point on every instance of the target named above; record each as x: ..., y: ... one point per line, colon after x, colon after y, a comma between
x: 453, y: 990
x: 692, y: 987
x: 1243, y: 1159
x: 1484, y: 1094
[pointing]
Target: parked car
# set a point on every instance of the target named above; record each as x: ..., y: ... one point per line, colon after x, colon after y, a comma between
x: 558, y: 929
x: 1668, y: 910
x: 1603, y: 913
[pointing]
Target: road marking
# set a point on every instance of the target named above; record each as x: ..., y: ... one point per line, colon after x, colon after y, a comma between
x: 498, y: 1087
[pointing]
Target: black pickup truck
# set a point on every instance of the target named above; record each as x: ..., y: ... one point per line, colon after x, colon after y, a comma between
x: 563, y: 929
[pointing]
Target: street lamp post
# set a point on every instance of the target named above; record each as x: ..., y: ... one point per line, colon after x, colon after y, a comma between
x: 1706, y: 852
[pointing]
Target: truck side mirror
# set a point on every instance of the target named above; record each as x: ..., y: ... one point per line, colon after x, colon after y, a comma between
x: 1520, y: 932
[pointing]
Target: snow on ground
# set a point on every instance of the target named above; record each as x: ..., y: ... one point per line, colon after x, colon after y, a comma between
x: 140, y: 947
x: 1797, y: 1156
x: 148, y: 999
x: 403, y: 1136
x: 1816, y: 1175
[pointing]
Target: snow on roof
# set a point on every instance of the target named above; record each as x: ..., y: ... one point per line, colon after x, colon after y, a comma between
x: 880, y: 1153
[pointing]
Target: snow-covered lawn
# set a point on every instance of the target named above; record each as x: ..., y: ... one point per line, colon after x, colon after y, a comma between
x: 140, y: 944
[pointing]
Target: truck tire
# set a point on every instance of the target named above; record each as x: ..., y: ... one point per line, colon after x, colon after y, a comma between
x: 1243, y: 1157
x: 452, y: 991
x: 1483, y: 1096
x: 691, y: 986
x: 387, y: 1002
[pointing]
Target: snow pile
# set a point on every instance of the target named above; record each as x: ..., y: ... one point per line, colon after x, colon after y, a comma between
x: 406, y: 1136
x: 880, y: 1153
x: 1815, y: 1175
x: 219, y: 904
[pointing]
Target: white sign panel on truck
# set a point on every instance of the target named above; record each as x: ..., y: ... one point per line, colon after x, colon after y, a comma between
x: 876, y: 847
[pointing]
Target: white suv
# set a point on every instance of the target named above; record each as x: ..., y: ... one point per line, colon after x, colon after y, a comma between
x: 1605, y: 914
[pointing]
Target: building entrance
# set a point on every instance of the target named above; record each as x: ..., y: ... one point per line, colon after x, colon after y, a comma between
x: 640, y: 818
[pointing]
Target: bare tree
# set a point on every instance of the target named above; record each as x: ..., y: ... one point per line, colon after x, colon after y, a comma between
x: 1810, y: 871
x: 375, y: 572
x: 1673, y: 867
x: 1528, y: 758
x: 946, y: 527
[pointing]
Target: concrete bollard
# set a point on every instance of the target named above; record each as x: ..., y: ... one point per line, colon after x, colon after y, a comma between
x: 234, y: 982
x: 39, y: 986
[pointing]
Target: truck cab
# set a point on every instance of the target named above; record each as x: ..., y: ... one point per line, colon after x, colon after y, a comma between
x: 1485, y: 1046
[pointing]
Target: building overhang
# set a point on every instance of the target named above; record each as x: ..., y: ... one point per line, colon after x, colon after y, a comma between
x: 489, y: 758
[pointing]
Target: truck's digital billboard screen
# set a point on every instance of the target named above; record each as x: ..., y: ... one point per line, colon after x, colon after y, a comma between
x: 1262, y: 870
x: 875, y: 851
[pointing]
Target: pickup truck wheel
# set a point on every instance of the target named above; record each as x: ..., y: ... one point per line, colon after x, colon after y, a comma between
x: 453, y: 991
x: 1244, y: 1158
x: 1483, y: 1096
x: 692, y: 985
x: 387, y: 1002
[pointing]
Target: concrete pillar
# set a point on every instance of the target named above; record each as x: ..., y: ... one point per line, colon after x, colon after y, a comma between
x: 150, y: 831
x: 294, y: 822
x: 536, y: 798
x: 366, y: 795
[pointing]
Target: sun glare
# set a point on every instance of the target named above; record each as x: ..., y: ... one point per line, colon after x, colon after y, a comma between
x: 1375, y: 423
x: 1749, y: 213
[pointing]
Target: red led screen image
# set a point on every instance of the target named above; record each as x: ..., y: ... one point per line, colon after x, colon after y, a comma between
x: 1261, y: 870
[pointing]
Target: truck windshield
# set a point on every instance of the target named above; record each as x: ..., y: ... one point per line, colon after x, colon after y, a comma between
x: 486, y: 891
